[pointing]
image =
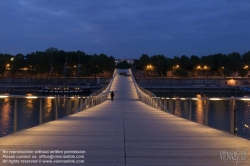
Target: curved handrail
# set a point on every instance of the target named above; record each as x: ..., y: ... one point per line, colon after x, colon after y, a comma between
x: 147, y: 97
x: 105, y: 87
x: 97, y: 97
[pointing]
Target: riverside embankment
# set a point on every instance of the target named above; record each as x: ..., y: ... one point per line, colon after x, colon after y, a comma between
x: 152, y: 84
x: 194, y: 84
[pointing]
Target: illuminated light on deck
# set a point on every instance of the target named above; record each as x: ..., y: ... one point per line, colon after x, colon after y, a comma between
x: 3, y: 96
x: 214, y: 99
x: 50, y: 97
x: 246, y: 126
x: 31, y: 97
x: 195, y: 98
x: 245, y: 99
x: 183, y: 98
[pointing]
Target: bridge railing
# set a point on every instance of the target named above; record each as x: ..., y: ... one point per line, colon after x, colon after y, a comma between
x: 229, y: 114
x: 147, y: 97
x: 106, y: 86
x: 18, y: 112
x: 97, y: 97
x: 22, y: 112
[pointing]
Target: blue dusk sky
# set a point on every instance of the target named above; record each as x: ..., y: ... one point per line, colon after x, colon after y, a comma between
x: 126, y: 28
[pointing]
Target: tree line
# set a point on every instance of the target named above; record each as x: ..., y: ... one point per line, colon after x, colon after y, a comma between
x: 52, y: 62
x: 56, y: 63
x: 214, y: 65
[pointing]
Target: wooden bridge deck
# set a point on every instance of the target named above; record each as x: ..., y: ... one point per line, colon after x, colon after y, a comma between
x: 128, y: 132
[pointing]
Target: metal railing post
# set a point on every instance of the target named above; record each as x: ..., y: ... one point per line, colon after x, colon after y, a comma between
x: 80, y: 101
x: 172, y: 106
x: 179, y: 109
x: 87, y: 103
x: 41, y: 112
x: 206, y: 112
x: 233, y: 117
x: 155, y: 102
x: 56, y: 109
x: 162, y: 104
x: 165, y: 104
x: 190, y: 110
x: 15, y: 125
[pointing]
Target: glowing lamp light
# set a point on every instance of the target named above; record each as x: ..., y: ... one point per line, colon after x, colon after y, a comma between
x: 3, y: 96
x: 214, y: 99
x: 246, y: 99
x: 31, y: 97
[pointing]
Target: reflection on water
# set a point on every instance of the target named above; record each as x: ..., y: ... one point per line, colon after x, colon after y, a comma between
x: 218, y: 111
x: 6, y: 112
x: 28, y: 111
x: 29, y: 104
x: 199, y: 111
x: 48, y: 108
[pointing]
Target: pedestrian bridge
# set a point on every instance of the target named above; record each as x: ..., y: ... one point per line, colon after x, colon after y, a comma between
x: 128, y: 132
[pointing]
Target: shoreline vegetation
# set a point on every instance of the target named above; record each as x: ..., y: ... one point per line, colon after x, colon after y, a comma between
x: 58, y: 63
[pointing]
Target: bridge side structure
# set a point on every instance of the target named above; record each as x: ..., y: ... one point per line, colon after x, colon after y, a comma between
x: 128, y: 132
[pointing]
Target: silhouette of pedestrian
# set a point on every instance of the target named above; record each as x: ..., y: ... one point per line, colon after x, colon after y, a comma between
x: 112, y: 95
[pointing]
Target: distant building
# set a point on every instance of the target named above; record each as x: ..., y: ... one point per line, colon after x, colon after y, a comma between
x: 130, y: 61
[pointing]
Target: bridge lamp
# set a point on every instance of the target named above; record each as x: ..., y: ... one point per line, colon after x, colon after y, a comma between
x: 31, y: 97
x: 3, y: 96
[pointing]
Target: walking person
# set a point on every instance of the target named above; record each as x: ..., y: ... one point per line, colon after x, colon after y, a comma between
x: 112, y: 95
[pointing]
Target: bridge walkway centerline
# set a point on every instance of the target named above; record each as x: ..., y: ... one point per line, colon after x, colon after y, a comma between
x: 128, y: 132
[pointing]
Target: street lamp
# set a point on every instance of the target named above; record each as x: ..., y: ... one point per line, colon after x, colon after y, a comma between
x: 176, y: 67
x: 206, y: 69
x: 198, y: 68
x: 246, y: 67
x: 7, y: 66
x: 149, y: 67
